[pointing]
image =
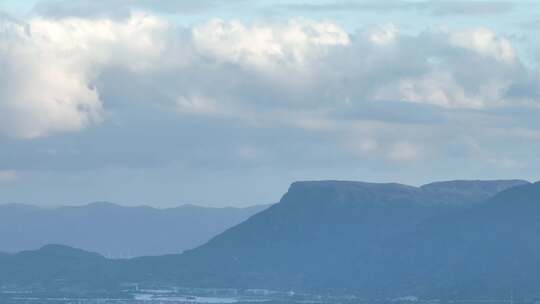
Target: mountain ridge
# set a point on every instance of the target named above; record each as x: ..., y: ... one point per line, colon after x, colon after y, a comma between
x: 343, y: 237
x: 292, y: 238
x: 115, y: 230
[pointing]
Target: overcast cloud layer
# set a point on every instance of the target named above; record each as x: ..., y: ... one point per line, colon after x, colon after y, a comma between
x: 120, y: 101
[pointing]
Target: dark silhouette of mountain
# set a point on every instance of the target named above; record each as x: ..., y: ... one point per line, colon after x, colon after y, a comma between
x: 116, y: 231
x: 493, y: 248
x: 378, y: 240
x: 54, y: 267
x: 321, y: 235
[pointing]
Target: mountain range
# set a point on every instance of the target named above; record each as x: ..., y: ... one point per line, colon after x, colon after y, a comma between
x: 459, y: 239
x: 116, y: 231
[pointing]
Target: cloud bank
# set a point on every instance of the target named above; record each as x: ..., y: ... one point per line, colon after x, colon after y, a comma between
x: 86, y: 101
x: 298, y: 72
x: 435, y: 8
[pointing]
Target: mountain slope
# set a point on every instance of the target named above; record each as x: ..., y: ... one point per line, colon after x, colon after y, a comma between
x: 466, y: 191
x: 493, y: 247
x: 116, y: 231
x: 320, y: 235
x: 376, y: 240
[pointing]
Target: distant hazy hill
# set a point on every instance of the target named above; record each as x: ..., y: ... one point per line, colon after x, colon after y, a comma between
x: 116, y: 231
x: 470, y: 239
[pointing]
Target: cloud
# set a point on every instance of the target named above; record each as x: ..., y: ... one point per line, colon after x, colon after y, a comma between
x: 484, y: 42
x: 120, y: 8
x: 384, y: 35
x: 49, y: 67
x: 68, y: 74
x: 404, y: 151
x: 40, y: 92
x: 326, y: 68
x: 395, y: 150
x: 297, y: 42
x: 468, y: 8
x: 175, y: 110
x: 436, y: 8
x: 8, y: 176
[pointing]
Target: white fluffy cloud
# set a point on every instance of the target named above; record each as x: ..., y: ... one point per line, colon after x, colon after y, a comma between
x: 41, y: 91
x: 49, y: 67
x: 486, y: 43
x: 436, y: 68
x: 317, y: 66
x: 383, y: 35
x: 297, y: 71
x: 297, y: 42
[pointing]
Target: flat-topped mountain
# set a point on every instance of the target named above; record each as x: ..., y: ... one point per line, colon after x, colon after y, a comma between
x: 113, y: 230
x: 458, y: 192
x: 322, y: 234
x: 375, y: 240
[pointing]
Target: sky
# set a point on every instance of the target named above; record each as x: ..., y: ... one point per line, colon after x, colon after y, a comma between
x: 225, y: 103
